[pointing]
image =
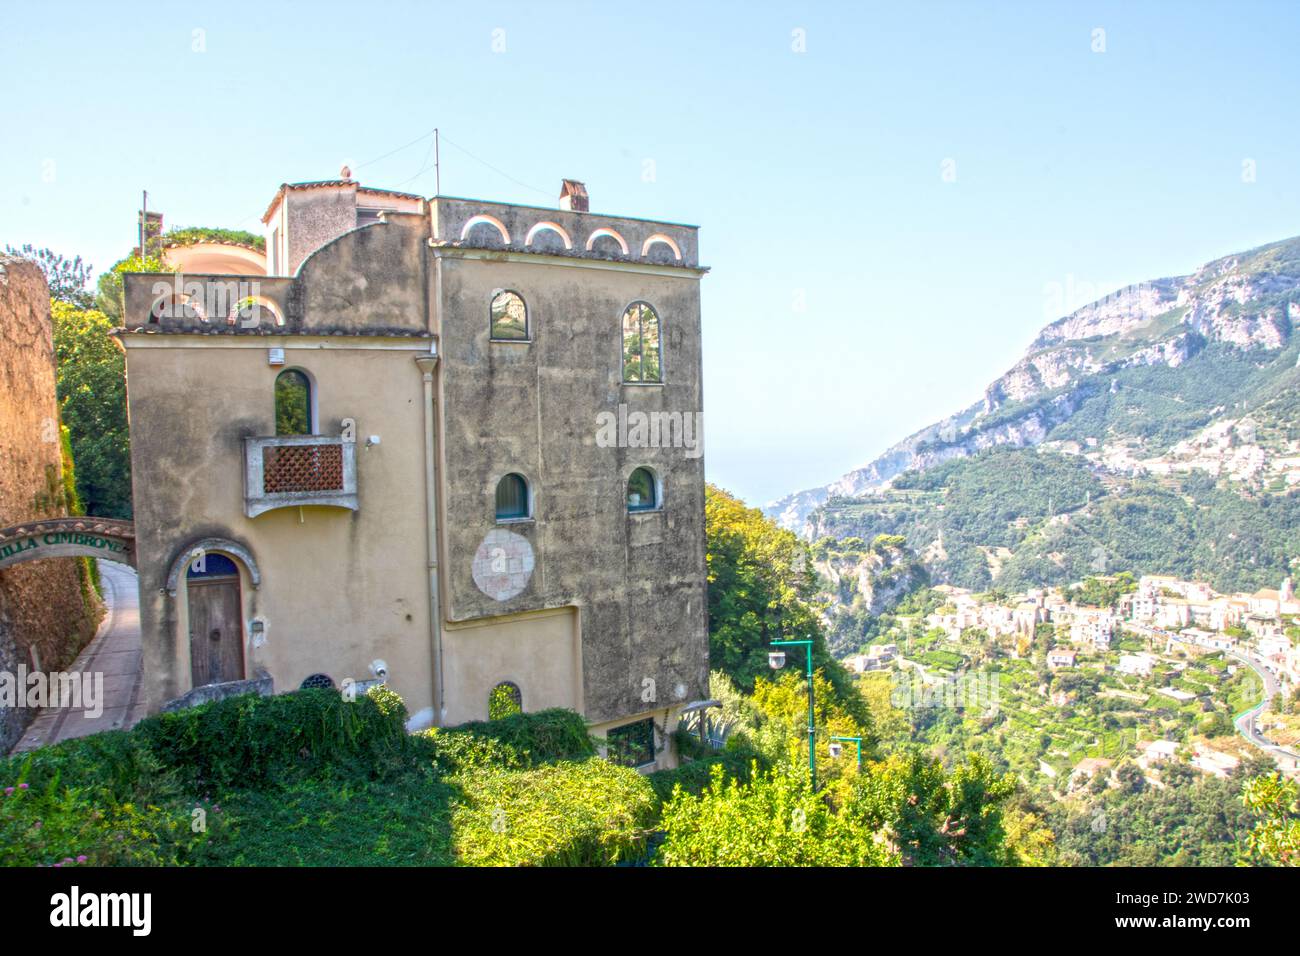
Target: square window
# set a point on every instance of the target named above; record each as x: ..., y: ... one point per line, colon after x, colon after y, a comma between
x: 633, y: 745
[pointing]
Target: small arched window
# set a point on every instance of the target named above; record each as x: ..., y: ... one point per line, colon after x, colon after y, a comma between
x: 505, y: 700
x: 642, y: 491
x: 509, y: 317
x: 292, y: 403
x: 641, y: 353
x: 512, y: 498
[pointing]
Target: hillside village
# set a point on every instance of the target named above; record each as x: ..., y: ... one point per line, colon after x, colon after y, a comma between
x: 1188, y: 661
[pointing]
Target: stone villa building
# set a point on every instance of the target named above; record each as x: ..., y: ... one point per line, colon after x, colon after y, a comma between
x: 448, y: 443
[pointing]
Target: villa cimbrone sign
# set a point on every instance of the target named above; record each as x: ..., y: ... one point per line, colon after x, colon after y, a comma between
x: 68, y: 538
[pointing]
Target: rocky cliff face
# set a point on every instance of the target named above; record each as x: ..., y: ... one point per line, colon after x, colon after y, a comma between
x: 47, y: 612
x: 1248, y: 301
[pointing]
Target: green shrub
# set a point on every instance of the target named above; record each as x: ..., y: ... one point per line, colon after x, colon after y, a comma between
x: 249, y: 740
x: 591, y: 813
x: 56, y: 825
x: 693, y: 776
x: 773, y: 820
x: 516, y: 741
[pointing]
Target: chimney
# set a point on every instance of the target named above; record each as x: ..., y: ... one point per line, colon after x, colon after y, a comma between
x: 149, y: 226
x: 573, y: 196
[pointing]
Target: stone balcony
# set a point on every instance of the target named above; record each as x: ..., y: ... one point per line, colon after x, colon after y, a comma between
x: 288, y: 471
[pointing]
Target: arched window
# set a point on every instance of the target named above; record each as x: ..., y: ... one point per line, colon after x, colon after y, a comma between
x: 509, y: 317
x: 512, y: 498
x: 505, y: 700
x: 292, y: 403
x: 642, y: 491
x: 641, y: 356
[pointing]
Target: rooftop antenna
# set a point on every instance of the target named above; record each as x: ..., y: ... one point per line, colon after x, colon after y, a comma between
x: 437, y: 168
x: 144, y: 214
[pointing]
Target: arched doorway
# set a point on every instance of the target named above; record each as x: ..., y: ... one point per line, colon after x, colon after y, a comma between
x: 216, y: 620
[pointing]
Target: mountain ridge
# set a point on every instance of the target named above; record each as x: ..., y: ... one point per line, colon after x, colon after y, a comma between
x: 1247, y: 301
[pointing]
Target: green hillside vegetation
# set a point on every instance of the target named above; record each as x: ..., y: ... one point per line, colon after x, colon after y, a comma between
x: 1192, y: 526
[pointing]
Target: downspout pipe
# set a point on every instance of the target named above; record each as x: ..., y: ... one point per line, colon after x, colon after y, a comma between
x: 428, y: 365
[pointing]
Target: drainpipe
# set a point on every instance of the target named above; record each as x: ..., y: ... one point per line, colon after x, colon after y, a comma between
x: 428, y: 364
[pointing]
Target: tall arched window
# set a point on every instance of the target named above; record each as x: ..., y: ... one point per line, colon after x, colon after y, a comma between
x: 509, y: 317
x: 641, y: 352
x: 293, y: 403
x: 642, y: 491
x: 505, y: 700
x: 512, y: 498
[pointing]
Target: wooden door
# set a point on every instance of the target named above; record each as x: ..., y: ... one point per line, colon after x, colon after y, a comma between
x: 216, y: 631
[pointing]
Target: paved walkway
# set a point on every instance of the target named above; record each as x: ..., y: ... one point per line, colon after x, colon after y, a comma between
x: 115, y: 653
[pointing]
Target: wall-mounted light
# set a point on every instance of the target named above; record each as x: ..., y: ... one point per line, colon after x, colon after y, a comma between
x: 372, y: 440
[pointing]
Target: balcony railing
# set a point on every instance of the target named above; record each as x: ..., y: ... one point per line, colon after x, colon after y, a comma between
x: 292, y: 470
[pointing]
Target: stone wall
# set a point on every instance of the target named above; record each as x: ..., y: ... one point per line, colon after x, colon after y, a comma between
x: 47, y: 610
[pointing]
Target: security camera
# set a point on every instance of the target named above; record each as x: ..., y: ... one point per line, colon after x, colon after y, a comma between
x: 379, y: 668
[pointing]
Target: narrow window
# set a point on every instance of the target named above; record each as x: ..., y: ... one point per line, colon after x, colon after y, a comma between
x: 509, y: 317
x: 512, y: 498
x: 292, y: 403
x: 632, y: 745
x: 505, y: 700
x: 641, y: 355
x: 642, y: 491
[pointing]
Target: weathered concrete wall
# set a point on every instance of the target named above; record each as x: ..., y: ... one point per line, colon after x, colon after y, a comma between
x: 532, y: 408
x: 315, y: 217
x: 47, y: 612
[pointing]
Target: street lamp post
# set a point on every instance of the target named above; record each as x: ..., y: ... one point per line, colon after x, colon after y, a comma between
x: 776, y: 659
x: 835, y: 752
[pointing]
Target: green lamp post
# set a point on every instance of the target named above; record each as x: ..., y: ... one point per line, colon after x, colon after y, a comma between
x: 776, y: 660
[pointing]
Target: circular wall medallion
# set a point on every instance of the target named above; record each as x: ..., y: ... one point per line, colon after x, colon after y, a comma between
x: 503, y: 564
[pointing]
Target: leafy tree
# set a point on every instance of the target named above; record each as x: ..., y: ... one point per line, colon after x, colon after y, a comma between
x: 67, y: 278
x: 774, y: 820
x: 1275, y: 838
x: 110, y: 288
x: 761, y: 589
x: 91, y: 387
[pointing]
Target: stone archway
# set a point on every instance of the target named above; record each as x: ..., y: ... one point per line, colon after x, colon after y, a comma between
x: 110, y: 538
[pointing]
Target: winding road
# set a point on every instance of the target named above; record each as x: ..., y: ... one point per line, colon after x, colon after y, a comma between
x: 1246, y: 722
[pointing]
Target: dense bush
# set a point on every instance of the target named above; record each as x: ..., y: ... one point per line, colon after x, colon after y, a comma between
x: 591, y: 813
x: 248, y: 740
x: 517, y: 741
x: 773, y: 820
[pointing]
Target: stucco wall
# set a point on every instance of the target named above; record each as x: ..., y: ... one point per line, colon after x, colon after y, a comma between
x: 339, y: 588
x: 47, y: 613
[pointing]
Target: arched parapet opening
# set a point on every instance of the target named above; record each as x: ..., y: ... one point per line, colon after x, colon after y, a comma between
x: 255, y: 311
x: 544, y: 227
x: 483, y: 219
x: 660, y: 239
x: 194, y: 552
x: 610, y: 234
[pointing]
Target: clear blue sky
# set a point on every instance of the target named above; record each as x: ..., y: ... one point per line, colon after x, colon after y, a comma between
x: 816, y: 176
